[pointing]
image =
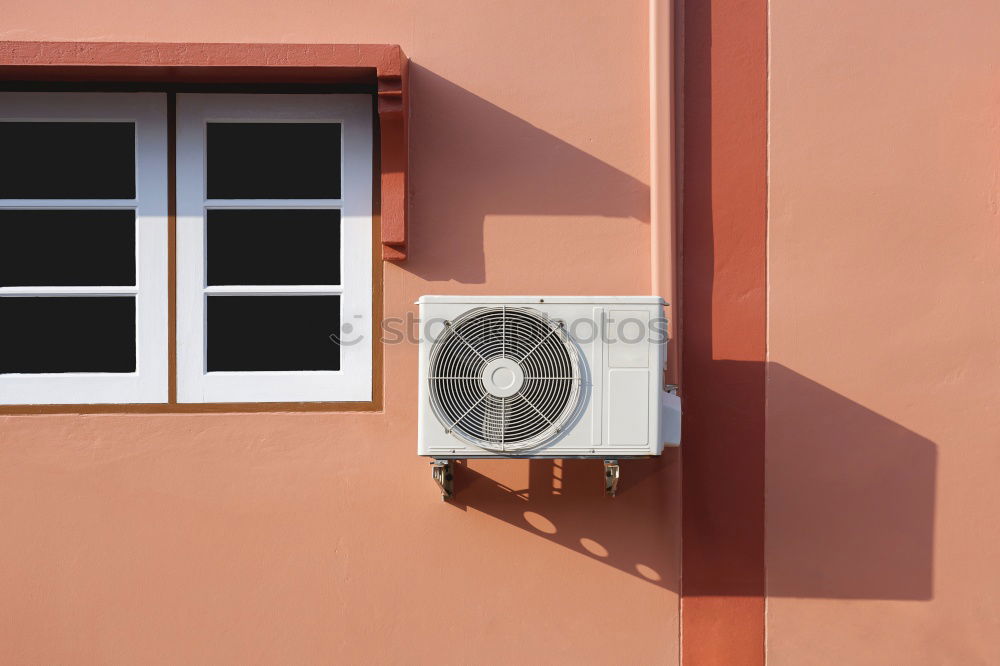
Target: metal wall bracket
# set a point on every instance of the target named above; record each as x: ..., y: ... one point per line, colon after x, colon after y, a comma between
x: 444, y: 477
x: 612, y: 472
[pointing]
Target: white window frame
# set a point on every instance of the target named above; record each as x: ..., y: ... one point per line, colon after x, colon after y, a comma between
x: 353, y: 382
x: 148, y: 384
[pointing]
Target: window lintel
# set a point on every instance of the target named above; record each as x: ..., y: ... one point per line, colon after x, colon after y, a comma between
x: 383, y: 66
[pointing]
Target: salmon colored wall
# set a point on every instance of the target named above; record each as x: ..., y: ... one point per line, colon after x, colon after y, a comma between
x: 318, y: 538
x: 884, y: 279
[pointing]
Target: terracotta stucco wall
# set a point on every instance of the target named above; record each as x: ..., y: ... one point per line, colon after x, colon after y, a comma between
x: 318, y: 538
x: 884, y: 279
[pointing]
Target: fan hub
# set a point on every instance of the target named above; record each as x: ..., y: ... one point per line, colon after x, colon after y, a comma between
x: 502, y: 377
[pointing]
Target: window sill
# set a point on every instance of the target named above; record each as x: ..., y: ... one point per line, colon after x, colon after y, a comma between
x: 195, y: 408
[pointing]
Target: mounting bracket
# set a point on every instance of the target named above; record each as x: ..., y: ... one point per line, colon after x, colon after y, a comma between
x: 612, y: 472
x: 443, y: 474
x: 444, y: 477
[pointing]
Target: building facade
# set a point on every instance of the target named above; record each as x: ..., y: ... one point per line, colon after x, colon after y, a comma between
x: 813, y: 187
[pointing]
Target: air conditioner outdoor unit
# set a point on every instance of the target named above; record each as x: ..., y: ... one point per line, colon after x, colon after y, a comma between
x: 543, y: 377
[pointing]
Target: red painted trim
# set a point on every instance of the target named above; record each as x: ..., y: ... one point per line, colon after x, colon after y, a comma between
x: 724, y: 330
x: 382, y: 65
x: 393, y: 102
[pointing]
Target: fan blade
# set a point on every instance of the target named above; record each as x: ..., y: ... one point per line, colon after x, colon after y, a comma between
x: 493, y: 420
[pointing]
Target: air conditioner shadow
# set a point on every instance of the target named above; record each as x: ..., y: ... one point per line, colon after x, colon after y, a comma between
x: 850, y: 497
x: 563, y: 501
x: 850, y: 501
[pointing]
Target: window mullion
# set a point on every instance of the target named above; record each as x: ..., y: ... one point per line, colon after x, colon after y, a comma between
x: 331, y: 204
x: 69, y: 291
x: 275, y: 290
x: 67, y: 204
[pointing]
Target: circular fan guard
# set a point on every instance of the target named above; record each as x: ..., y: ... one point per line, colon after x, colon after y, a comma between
x: 504, y: 378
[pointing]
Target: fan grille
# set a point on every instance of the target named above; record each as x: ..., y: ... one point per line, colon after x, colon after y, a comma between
x: 537, y: 358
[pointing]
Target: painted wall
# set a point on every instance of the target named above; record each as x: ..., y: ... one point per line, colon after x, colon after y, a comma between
x: 307, y: 538
x: 724, y: 261
x: 884, y: 362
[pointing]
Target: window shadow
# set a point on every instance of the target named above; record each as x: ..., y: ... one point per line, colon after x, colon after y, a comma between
x: 469, y: 158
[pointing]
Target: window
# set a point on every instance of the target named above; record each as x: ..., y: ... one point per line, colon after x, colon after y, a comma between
x: 274, y: 206
x: 83, y: 248
x: 273, y: 257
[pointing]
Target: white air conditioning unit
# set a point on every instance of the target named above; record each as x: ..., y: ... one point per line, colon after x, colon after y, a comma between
x: 544, y: 377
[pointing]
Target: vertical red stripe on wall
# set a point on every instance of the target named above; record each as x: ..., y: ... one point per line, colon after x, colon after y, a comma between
x: 724, y: 329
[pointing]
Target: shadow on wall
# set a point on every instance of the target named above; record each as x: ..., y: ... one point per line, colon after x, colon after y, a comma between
x: 470, y: 158
x: 851, y: 493
x: 564, y: 502
x: 850, y: 498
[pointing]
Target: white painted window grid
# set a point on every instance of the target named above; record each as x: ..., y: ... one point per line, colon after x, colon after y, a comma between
x: 353, y: 382
x: 148, y: 384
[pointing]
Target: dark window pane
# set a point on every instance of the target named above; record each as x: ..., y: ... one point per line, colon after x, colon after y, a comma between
x: 273, y: 333
x: 67, y: 248
x: 67, y: 334
x: 67, y: 160
x: 273, y: 161
x: 273, y: 247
